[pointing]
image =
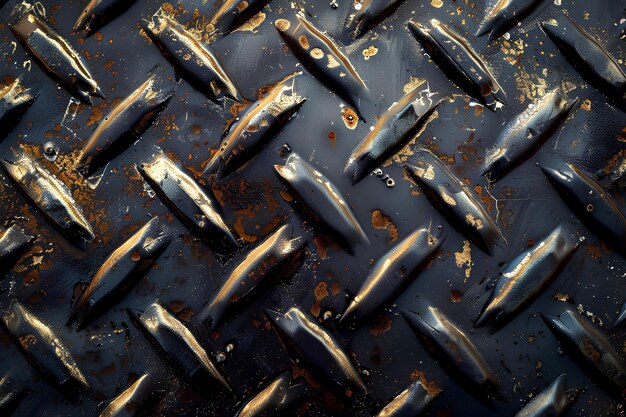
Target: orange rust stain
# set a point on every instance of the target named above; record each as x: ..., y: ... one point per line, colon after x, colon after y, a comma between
x: 322, y: 244
x: 381, y: 325
x: 304, y: 41
x: 286, y: 196
x: 332, y: 136
x: 96, y: 115
x: 320, y: 292
x: 240, y: 227
x: 350, y: 118
x: 431, y: 387
x: 381, y: 221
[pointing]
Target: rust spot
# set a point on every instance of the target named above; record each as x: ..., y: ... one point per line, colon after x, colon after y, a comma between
x: 96, y: 115
x: 381, y: 325
x: 591, y: 350
x: 322, y: 244
x: 282, y: 24
x: 381, y: 221
x: 332, y: 136
x: 485, y: 89
x: 350, y: 118
x: 456, y: 296
x: 430, y: 386
x: 564, y: 298
x: 320, y: 292
x: 586, y: 105
x: 304, y: 41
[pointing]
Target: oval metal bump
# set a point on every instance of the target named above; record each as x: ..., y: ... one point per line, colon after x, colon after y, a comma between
x: 504, y: 15
x: 192, y: 60
x: 317, y: 347
x: 98, y: 13
x: 277, y: 397
x: 178, y: 345
x: 324, y: 201
x: 11, y: 395
x: 458, y: 60
x: 453, y: 200
x: 392, y: 273
x: 323, y: 58
x: 234, y: 13
x: 125, y: 123
x: 195, y: 207
x: 554, y: 401
x: 15, y: 100
x: 451, y: 346
x: 258, y: 125
x: 372, y: 13
x: 118, y: 274
x: 276, y: 258
x: 44, y: 350
x: 136, y: 400
x: 589, y: 58
x: 587, y: 345
x: 411, y: 402
x: 588, y: 200
x: 14, y: 241
x: 528, y: 275
x: 398, y: 125
x: 50, y: 196
x: 56, y: 56
x: 621, y: 317
x: 526, y: 133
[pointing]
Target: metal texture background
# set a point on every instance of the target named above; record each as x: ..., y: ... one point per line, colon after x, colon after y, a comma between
x: 112, y: 351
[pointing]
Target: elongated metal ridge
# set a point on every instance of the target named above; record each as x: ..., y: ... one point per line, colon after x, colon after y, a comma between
x: 526, y: 133
x: 179, y: 345
x: 44, y: 350
x: 125, y: 123
x: 504, y: 15
x: 193, y: 60
x: 591, y: 348
x: 258, y: 125
x: 114, y: 279
x: 454, y: 55
x: 527, y: 275
x: 554, y: 401
x: 393, y: 272
x: 591, y: 60
x: 372, y: 13
x: 14, y: 241
x: 195, y: 207
x: 411, y: 402
x: 277, y: 256
x: 446, y: 342
x: 317, y: 347
x: 398, y: 125
x: 98, y: 13
x: 50, y: 196
x: 57, y: 57
x: 453, y: 199
x: 589, y: 201
x: 323, y: 58
x: 324, y: 200
x: 277, y: 397
x: 15, y: 100
x: 136, y: 400
x: 233, y: 13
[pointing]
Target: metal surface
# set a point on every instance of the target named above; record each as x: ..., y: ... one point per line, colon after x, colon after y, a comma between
x: 230, y: 303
